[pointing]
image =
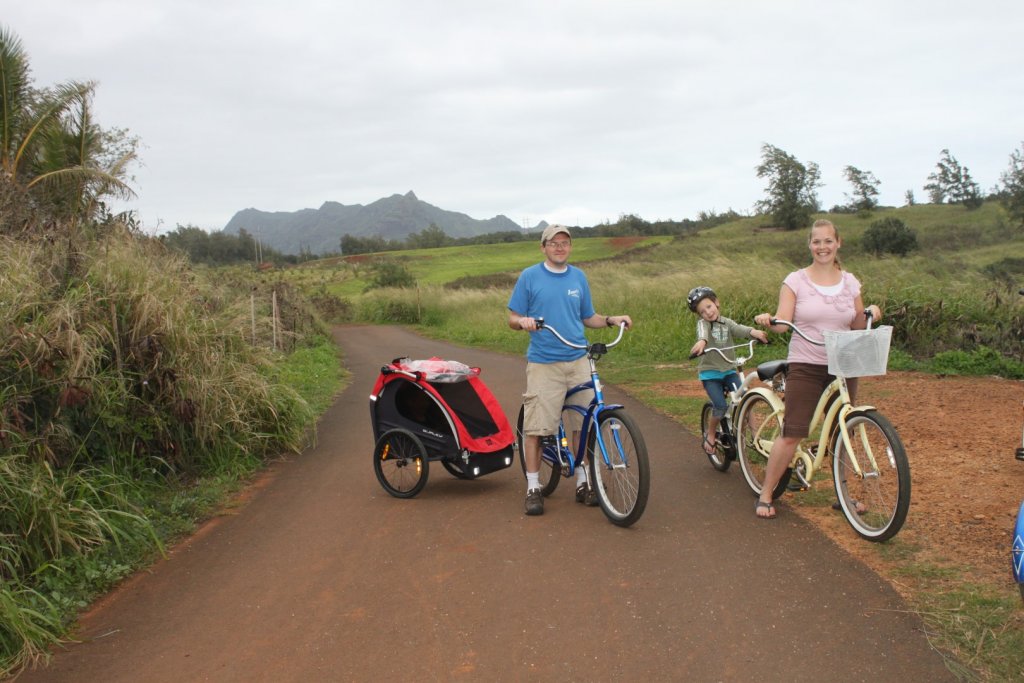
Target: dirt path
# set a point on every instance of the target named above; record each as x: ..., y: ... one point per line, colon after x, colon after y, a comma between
x: 320, y: 575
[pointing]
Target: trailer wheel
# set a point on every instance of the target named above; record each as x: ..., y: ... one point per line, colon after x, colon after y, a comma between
x: 400, y: 463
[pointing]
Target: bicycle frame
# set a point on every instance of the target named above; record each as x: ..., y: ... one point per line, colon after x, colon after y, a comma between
x: 833, y: 407
x: 589, y: 416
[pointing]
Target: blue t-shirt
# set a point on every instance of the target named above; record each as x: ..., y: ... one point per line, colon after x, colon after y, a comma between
x: 563, y: 300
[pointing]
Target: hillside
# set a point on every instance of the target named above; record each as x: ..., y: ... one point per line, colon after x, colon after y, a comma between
x: 320, y: 230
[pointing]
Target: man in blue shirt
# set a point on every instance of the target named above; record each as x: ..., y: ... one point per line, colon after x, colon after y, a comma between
x: 560, y: 294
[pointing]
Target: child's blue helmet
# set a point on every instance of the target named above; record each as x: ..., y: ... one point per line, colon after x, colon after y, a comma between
x: 698, y: 294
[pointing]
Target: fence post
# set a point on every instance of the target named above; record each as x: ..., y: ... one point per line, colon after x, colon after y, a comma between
x: 273, y: 313
x: 252, y: 313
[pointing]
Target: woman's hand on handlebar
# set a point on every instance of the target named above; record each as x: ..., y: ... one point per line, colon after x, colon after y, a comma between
x: 763, y: 319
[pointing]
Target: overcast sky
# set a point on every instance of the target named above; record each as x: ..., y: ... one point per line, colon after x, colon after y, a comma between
x: 566, y: 111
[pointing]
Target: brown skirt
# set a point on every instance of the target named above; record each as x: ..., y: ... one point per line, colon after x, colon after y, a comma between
x: 804, y: 384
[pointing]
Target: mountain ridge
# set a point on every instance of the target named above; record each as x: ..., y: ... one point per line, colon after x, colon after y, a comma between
x: 320, y: 230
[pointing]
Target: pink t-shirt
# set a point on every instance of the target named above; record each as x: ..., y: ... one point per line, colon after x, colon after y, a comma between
x: 816, y: 312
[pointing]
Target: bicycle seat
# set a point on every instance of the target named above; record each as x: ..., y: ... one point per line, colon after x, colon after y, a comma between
x: 767, y: 370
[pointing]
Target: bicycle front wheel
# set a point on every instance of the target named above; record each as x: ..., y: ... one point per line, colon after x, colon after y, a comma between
x: 757, y: 426
x: 550, y: 473
x: 622, y: 480
x: 719, y: 458
x: 876, y: 501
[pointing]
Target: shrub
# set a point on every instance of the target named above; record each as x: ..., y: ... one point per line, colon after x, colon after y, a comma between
x: 889, y: 236
x: 390, y: 274
x: 1009, y: 270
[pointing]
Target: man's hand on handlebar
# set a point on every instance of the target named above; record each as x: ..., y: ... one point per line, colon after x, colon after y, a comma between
x: 529, y: 324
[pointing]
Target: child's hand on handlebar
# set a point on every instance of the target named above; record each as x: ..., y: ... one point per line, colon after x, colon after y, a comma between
x: 759, y: 335
x: 698, y: 348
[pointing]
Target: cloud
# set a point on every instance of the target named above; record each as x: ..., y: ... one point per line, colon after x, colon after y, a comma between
x: 569, y: 111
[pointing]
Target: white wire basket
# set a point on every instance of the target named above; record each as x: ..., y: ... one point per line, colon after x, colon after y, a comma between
x: 858, y: 353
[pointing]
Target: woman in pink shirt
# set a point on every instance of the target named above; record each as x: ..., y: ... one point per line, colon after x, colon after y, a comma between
x: 820, y: 297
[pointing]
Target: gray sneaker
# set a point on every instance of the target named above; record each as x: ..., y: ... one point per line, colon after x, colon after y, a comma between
x: 534, y: 502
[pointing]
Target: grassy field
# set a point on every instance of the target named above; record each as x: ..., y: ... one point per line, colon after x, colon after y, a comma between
x: 952, y: 303
x: 348, y: 276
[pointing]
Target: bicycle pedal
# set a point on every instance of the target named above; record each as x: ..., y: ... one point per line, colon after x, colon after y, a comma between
x: 797, y: 488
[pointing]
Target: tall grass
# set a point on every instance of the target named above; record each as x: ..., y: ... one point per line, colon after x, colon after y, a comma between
x: 132, y: 397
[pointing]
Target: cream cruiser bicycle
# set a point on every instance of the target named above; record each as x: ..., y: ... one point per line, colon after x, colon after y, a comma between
x: 870, y: 470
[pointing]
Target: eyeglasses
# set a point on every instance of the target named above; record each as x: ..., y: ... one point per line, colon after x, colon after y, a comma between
x: 560, y: 244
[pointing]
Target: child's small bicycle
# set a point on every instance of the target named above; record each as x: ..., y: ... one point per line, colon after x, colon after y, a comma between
x: 725, y: 434
x: 603, y: 437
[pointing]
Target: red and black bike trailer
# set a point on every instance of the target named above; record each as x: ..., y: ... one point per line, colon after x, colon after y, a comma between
x: 432, y: 410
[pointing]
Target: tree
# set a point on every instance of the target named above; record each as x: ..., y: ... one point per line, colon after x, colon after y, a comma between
x: 1012, y: 192
x: 908, y: 198
x: 889, y: 236
x: 953, y: 183
x: 429, y: 238
x: 51, y: 147
x: 792, y: 196
x: 865, y: 189
x: 351, y: 245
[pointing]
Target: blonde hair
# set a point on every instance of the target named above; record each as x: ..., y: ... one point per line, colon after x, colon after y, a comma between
x: 823, y: 223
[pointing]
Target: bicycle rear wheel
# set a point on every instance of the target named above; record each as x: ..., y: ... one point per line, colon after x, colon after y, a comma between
x: 623, y: 481
x: 719, y: 459
x: 757, y: 426
x: 400, y: 463
x: 550, y: 473
x: 875, y: 503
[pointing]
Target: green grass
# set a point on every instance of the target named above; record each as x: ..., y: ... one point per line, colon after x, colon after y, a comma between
x: 346, y: 278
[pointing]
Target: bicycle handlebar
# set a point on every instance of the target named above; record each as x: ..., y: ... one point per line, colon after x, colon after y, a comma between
x: 721, y: 352
x: 780, y: 321
x: 541, y: 325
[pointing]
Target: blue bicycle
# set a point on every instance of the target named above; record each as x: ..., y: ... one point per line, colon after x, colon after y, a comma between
x: 601, y: 437
x: 1017, y: 550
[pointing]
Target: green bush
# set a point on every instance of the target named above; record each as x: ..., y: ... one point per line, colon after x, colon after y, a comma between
x: 889, y: 236
x: 390, y: 274
x: 981, y: 361
x: 1009, y: 270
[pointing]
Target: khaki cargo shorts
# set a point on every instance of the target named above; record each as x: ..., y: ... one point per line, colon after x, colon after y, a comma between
x: 546, y: 385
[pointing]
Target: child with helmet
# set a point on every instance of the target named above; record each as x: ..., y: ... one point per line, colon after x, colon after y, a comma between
x: 716, y: 374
